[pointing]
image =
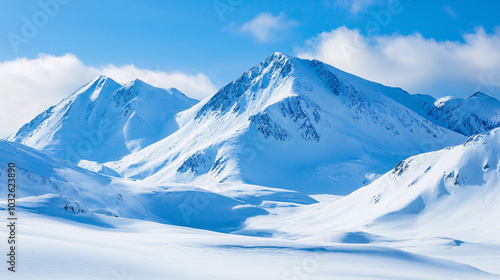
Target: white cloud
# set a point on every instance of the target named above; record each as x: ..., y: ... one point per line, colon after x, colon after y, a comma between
x: 355, y: 6
x: 267, y: 27
x: 413, y: 62
x: 29, y: 86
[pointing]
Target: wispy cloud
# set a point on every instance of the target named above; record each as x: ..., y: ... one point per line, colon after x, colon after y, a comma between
x: 413, y: 62
x: 450, y: 11
x: 355, y: 6
x: 267, y: 27
x: 32, y: 85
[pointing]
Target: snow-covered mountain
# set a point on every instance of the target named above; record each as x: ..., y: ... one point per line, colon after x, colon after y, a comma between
x: 222, y: 181
x: 53, y: 187
x: 475, y: 114
x: 104, y: 121
x: 301, y: 123
x: 453, y: 193
x: 294, y: 124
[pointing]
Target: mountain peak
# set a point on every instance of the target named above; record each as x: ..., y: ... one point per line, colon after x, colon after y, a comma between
x: 93, y: 89
x: 97, y: 82
x: 475, y: 114
x: 139, y: 85
x: 278, y: 56
x: 255, y: 84
x: 137, y: 82
x: 481, y: 95
x: 100, y: 80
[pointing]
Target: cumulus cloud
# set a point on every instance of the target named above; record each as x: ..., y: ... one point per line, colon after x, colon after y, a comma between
x: 29, y: 86
x: 416, y: 64
x: 267, y: 27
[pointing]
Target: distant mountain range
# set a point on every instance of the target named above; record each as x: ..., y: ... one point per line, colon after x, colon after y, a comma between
x: 289, y: 123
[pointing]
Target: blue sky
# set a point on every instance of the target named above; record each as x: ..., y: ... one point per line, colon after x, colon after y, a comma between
x: 190, y: 36
x: 423, y: 46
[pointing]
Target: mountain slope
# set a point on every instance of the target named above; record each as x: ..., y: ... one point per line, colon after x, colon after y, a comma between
x: 453, y: 193
x: 104, y: 121
x: 475, y: 114
x: 293, y: 124
x: 53, y: 187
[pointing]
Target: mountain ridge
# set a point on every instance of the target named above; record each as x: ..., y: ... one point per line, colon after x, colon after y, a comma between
x: 104, y: 120
x: 273, y: 107
x: 278, y: 103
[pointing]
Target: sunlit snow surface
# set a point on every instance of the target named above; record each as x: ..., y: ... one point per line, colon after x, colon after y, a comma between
x: 296, y: 170
x: 415, y: 222
x: 54, y: 248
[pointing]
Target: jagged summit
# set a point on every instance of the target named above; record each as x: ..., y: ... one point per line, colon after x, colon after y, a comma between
x: 96, y: 85
x: 99, y: 79
x: 475, y: 114
x: 104, y: 121
x: 274, y: 69
x: 279, y: 56
x: 139, y: 84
